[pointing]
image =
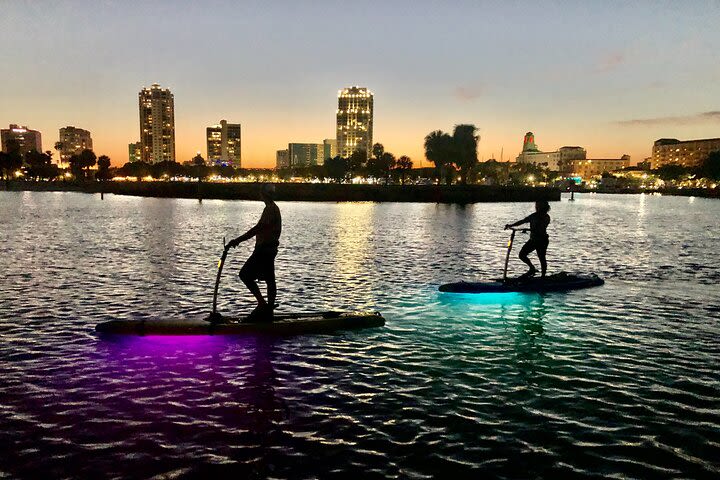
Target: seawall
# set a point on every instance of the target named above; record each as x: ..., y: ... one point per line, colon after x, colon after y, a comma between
x: 308, y: 192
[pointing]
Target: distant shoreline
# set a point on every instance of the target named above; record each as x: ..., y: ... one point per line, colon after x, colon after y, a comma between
x: 304, y: 192
x: 331, y: 192
x: 677, y: 192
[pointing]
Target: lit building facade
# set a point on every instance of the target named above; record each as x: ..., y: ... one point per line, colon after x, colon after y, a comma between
x: 354, y: 121
x: 554, y: 161
x: 306, y: 154
x: 330, y: 148
x: 282, y: 159
x: 26, y: 139
x: 223, y: 144
x: 688, y: 153
x: 157, y: 124
x: 592, y: 167
x: 134, y: 152
x: 74, y: 140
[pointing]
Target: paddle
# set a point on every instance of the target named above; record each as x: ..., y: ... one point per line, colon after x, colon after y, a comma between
x: 509, y: 247
x: 215, y: 315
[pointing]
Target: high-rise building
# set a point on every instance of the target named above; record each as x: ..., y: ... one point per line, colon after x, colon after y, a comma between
x: 134, y: 152
x: 157, y: 124
x: 22, y: 138
x: 306, y: 154
x: 354, y: 121
x: 688, y: 153
x: 223, y: 144
x: 73, y: 140
x: 282, y: 160
x: 330, y: 148
x: 555, y: 161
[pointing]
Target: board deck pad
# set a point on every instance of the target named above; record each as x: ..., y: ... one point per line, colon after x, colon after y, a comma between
x: 283, y: 324
x: 559, y: 282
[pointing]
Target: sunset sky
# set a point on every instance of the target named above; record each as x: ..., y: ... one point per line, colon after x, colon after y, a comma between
x: 609, y: 76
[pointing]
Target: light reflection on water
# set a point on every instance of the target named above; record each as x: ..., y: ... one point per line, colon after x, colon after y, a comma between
x: 621, y: 379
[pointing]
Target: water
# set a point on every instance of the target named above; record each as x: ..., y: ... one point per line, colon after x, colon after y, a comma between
x: 619, y: 381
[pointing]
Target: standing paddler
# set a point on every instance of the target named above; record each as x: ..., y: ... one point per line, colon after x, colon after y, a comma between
x: 261, y: 264
x: 539, y: 239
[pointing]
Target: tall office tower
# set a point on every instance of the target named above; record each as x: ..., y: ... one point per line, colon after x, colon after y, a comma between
x: 73, y: 140
x: 134, y: 152
x: 223, y: 144
x: 157, y: 124
x: 24, y: 139
x: 354, y: 121
x: 330, y: 148
x: 305, y: 154
x: 282, y: 159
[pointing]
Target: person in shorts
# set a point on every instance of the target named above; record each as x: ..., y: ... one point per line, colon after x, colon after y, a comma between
x: 261, y: 264
x: 539, y: 239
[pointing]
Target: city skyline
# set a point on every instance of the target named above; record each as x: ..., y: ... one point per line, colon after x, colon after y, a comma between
x: 637, y: 74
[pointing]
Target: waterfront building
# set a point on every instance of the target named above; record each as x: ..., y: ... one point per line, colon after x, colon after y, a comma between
x: 27, y: 139
x: 223, y: 144
x: 134, y: 152
x: 688, y: 153
x: 554, y: 161
x: 157, y: 124
x: 282, y: 160
x: 73, y: 141
x: 354, y: 121
x: 306, y: 154
x: 592, y: 167
x: 331, y: 150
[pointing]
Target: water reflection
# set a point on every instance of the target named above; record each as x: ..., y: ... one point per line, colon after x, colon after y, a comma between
x: 530, y: 336
x: 353, y: 232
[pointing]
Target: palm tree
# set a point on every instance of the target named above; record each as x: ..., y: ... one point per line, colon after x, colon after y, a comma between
x: 403, y: 165
x: 439, y: 149
x: 103, y: 172
x: 59, y: 147
x: 87, y: 159
x: 465, y: 140
x: 358, y: 159
x: 377, y: 150
x: 387, y: 163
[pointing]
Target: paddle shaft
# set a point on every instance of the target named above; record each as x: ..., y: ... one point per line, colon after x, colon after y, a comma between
x: 510, y: 244
x: 219, y: 273
x: 507, y: 256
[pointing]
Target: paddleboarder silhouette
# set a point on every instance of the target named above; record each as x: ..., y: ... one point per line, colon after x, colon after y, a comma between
x: 261, y: 264
x: 539, y: 239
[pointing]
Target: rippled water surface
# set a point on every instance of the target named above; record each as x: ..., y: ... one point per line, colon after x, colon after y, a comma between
x: 619, y: 381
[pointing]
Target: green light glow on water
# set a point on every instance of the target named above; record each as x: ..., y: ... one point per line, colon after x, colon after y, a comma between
x: 503, y: 298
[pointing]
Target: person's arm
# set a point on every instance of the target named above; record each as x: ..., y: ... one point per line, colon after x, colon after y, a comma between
x: 519, y: 222
x: 245, y: 236
x: 249, y: 234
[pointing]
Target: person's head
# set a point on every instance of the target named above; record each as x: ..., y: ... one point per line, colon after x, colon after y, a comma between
x: 267, y: 192
x: 542, y: 206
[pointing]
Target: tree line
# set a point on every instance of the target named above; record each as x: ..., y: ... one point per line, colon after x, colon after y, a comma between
x: 39, y: 166
x: 454, y: 156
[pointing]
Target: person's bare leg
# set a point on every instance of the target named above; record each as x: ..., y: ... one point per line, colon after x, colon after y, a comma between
x: 543, y: 261
x: 252, y: 285
x: 271, y: 292
x: 524, y: 251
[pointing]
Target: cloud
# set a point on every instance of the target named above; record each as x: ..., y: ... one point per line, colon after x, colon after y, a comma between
x: 467, y: 94
x: 610, y: 62
x: 698, y: 118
